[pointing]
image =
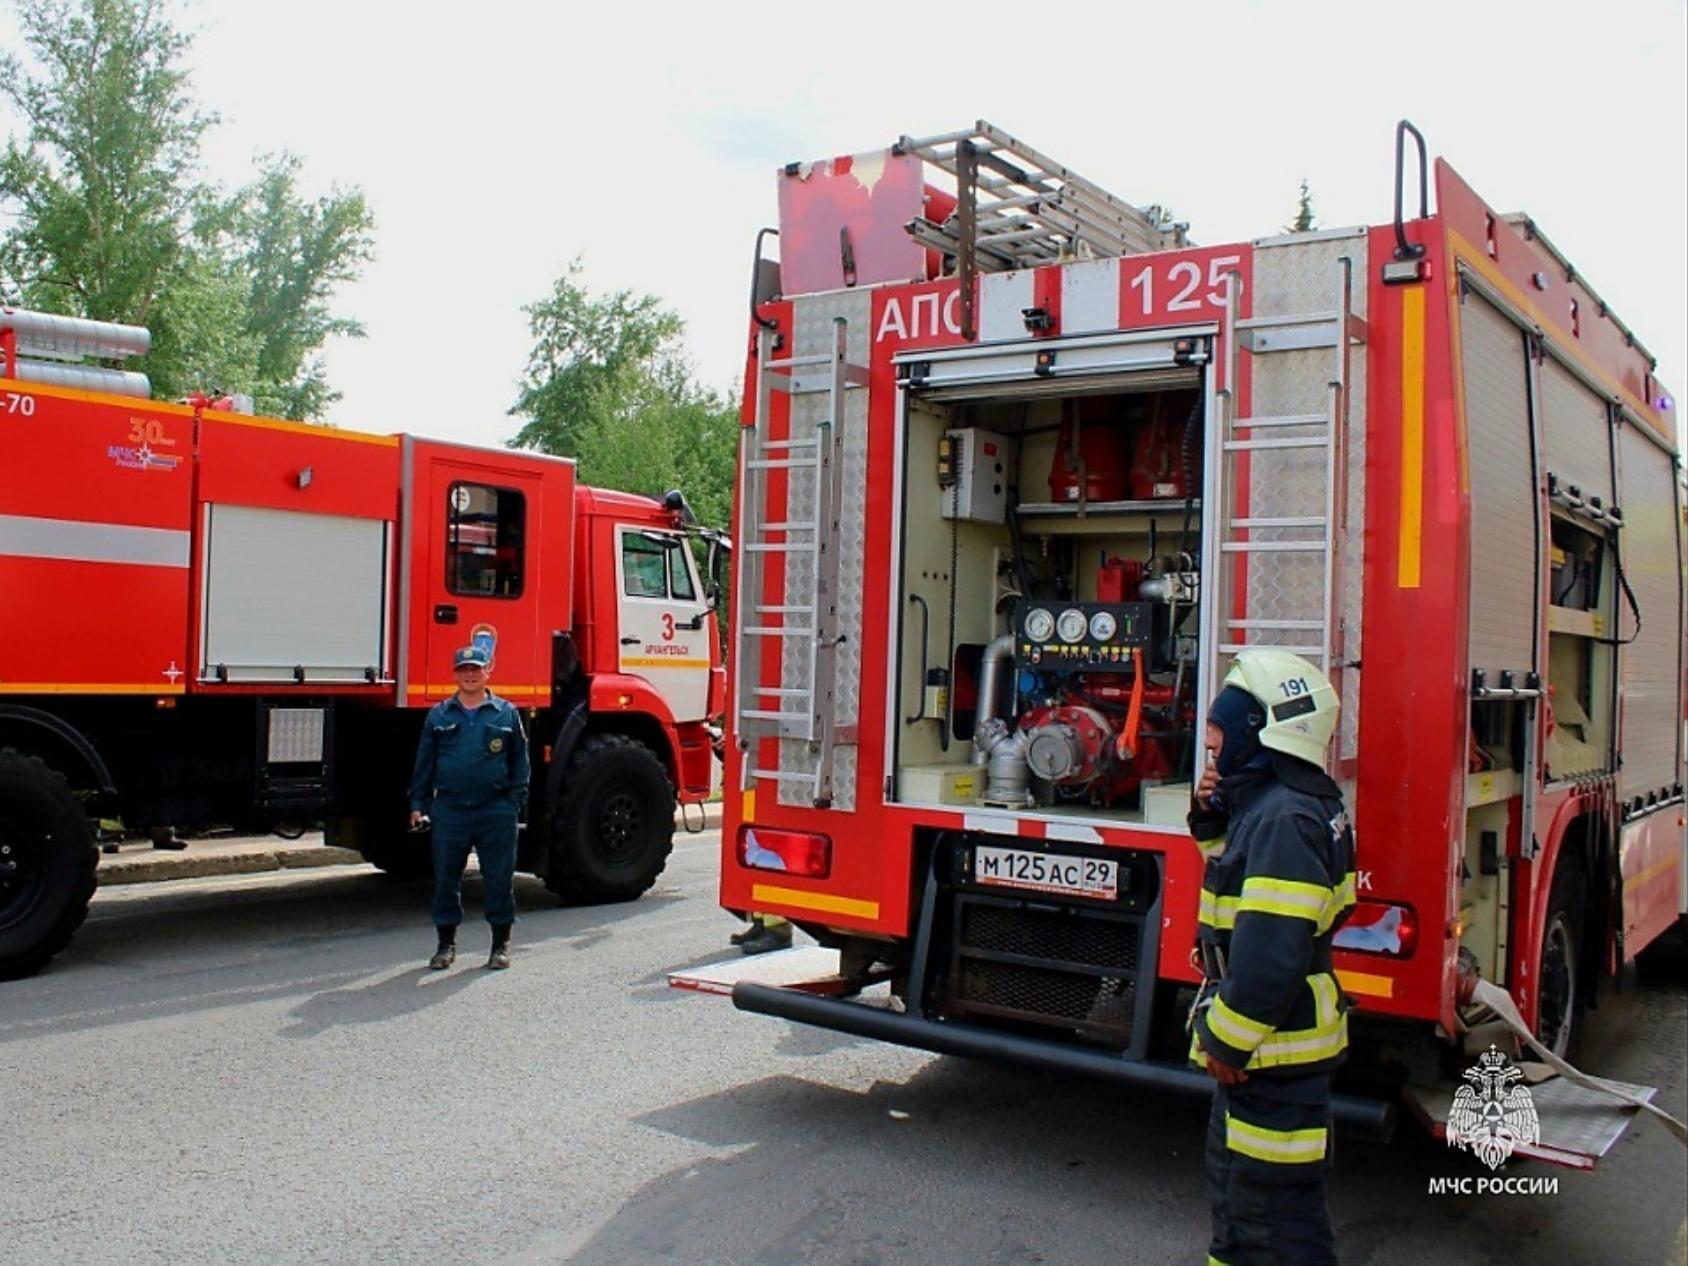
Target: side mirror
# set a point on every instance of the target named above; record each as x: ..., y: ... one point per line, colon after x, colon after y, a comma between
x: 720, y: 550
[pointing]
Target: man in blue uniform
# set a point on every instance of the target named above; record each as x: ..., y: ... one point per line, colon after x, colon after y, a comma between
x: 471, y: 778
x: 1271, y: 1023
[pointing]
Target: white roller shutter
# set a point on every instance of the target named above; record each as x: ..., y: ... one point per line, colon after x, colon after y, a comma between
x: 1575, y: 433
x: 1651, y: 666
x: 1503, y: 523
x: 289, y: 595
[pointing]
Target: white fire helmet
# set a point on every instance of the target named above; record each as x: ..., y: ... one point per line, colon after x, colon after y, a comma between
x: 1301, y: 707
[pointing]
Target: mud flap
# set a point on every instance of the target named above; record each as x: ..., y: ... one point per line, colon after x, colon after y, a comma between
x: 1577, y: 1125
x: 805, y: 968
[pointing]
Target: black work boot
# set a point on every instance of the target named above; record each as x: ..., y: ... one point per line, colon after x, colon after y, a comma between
x: 446, y: 953
x: 499, y: 959
x: 748, y: 932
x: 769, y: 937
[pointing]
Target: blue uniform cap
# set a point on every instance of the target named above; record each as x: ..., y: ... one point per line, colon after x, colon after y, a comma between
x: 470, y: 657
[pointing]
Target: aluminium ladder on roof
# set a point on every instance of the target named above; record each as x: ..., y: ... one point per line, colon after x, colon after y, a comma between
x: 805, y: 712
x: 1027, y: 209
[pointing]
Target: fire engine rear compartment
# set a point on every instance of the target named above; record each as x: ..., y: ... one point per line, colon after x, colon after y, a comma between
x: 1047, y: 606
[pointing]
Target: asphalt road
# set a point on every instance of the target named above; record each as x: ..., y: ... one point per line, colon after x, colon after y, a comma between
x: 257, y: 1070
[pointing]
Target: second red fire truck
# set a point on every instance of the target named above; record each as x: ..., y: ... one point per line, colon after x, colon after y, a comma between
x: 1023, y: 468
x: 208, y: 617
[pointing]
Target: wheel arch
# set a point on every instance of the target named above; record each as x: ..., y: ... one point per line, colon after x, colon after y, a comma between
x: 64, y: 747
x: 1583, y: 833
x: 614, y: 704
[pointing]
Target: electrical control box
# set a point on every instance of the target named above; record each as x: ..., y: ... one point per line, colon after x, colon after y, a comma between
x: 973, y: 475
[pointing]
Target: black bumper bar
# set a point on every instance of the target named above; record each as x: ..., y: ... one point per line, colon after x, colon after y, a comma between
x: 1367, y: 1118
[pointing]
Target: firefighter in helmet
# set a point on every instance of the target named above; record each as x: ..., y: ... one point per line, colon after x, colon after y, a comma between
x: 1270, y: 1022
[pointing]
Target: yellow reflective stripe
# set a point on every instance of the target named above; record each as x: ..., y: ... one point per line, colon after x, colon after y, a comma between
x: 1278, y: 1147
x: 1210, y: 849
x: 1293, y: 899
x: 1217, y: 912
x: 1214, y: 1261
x: 1233, y: 1027
x: 1287, y: 897
x: 1327, y: 1039
x: 1345, y: 890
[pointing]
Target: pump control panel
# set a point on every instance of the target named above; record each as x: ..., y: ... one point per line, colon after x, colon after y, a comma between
x: 1081, y: 636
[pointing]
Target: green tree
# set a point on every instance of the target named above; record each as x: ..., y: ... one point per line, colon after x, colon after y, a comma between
x: 112, y: 220
x: 104, y: 187
x: 294, y: 252
x: 607, y: 383
x: 1303, y: 222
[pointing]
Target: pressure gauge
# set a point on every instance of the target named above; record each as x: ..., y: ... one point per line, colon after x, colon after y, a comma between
x: 1040, y: 625
x: 1103, y: 626
x: 1071, y: 625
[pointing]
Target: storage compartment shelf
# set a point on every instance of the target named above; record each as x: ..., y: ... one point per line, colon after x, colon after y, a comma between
x: 1576, y: 622
x: 1070, y: 509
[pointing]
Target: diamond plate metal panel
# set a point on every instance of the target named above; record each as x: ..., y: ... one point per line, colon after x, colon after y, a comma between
x: 812, y: 334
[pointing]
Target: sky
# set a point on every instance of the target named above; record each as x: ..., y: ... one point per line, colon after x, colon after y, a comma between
x: 497, y: 142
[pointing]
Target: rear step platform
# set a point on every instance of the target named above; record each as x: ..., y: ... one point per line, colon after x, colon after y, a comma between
x: 1577, y: 1125
x: 806, y: 968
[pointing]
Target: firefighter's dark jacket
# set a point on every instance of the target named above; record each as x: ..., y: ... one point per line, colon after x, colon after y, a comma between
x: 1279, y: 879
x: 471, y: 760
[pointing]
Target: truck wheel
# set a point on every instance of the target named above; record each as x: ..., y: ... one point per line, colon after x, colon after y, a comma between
x: 47, y: 860
x: 613, y: 827
x: 1560, y: 1003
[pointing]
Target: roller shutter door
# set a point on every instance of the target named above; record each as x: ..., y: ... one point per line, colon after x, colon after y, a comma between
x: 1651, y: 666
x: 1576, y: 434
x: 1503, y: 522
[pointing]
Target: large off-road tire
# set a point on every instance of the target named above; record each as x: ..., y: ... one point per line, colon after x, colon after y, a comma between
x: 47, y: 861
x: 613, y: 826
x: 1561, y: 1001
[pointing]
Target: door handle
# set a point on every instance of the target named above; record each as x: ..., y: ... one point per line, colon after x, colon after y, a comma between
x: 694, y: 624
x: 629, y: 641
x: 445, y: 613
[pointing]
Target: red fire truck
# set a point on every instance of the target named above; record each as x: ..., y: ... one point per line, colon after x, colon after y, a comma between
x: 210, y: 617
x: 1023, y: 467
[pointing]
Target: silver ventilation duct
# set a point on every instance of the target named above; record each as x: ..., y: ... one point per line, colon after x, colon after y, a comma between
x: 46, y: 334
x: 117, y: 382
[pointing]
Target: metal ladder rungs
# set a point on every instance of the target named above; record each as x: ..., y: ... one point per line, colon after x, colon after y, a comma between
x: 782, y: 775
x: 781, y: 692
x: 799, y: 362
x: 1287, y: 626
x: 1236, y: 648
x: 1249, y: 446
x: 1268, y: 547
x: 784, y: 463
x: 769, y: 446
x: 764, y: 630
x: 1286, y: 419
x: 778, y: 547
x: 761, y: 714
x: 1293, y: 521
x: 1295, y: 318
x: 784, y: 610
x: 788, y: 527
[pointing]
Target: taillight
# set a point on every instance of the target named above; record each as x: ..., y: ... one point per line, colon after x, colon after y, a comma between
x: 793, y: 852
x: 1374, y: 927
